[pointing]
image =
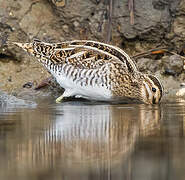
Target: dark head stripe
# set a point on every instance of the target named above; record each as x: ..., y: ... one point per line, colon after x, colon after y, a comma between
x: 157, y: 83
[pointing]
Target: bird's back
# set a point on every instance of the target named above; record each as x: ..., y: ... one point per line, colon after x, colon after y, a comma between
x: 80, y: 53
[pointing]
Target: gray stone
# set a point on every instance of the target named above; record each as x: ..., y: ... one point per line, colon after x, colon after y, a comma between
x: 152, y: 18
x: 178, y: 26
x: 147, y: 65
x: 173, y: 65
x: 65, y: 28
x: 10, y: 101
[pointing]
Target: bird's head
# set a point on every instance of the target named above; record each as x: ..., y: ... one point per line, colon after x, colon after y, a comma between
x: 151, y: 90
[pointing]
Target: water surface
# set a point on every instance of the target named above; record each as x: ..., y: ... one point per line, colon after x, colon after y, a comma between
x: 84, y: 140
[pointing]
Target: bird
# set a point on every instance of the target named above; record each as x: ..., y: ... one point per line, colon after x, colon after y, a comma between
x: 95, y: 71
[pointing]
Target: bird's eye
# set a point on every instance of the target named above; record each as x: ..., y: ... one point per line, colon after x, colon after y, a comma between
x: 154, y: 89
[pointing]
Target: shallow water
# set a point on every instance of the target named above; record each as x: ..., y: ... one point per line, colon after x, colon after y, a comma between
x: 84, y: 140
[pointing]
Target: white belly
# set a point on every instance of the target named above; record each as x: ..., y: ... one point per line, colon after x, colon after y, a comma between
x: 93, y: 92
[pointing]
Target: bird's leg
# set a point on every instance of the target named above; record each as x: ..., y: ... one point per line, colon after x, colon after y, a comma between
x: 67, y: 93
x: 58, y: 100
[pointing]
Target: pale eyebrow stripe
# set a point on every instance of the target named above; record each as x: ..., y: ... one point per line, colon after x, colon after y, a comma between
x: 148, y: 89
x: 96, y: 49
x: 114, y: 48
x: 77, y: 54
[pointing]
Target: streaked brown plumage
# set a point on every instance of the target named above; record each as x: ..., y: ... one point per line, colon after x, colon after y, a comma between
x: 95, y: 70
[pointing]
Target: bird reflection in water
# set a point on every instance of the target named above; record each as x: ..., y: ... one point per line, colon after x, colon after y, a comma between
x: 96, y: 136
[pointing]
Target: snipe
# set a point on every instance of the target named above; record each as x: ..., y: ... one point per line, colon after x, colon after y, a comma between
x: 95, y: 71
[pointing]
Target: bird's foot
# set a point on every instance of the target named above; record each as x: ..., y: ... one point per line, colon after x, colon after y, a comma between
x: 67, y: 93
x: 59, y: 99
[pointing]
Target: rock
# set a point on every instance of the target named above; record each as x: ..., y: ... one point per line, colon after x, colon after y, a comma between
x: 151, y: 21
x: 76, y: 24
x: 147, y: 65
x: 76, y: 9
x: 39, y: 16
x: 173, y: 65
x: 22, y: 21
x: 171, y: 86
x: 59, y: 3
x: 65, y: 28
x: 28, y: 85
x: 152, y: 18
x: 10, y: 101
x: 178, y: 26
x: 181, y: 92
